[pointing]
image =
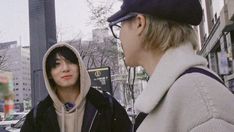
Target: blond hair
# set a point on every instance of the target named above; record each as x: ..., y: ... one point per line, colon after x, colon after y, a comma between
x: 163, y: 34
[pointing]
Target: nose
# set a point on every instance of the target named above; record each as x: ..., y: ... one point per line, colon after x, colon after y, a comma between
x: 65, y: 67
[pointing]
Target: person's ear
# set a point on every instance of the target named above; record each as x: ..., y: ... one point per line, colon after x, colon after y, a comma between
x: 141, y: 23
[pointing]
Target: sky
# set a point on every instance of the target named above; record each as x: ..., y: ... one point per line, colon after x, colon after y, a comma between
x: 72, y: 19
x: 217, y: 6
x: 14, y: 24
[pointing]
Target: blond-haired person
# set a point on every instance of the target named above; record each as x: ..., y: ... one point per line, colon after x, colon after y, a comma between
x: 182, y: 94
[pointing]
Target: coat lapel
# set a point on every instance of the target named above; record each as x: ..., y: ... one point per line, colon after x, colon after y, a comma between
x: 90, y: 115
x: 51, y: 120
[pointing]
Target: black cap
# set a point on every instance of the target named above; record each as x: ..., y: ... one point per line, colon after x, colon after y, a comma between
x: 183, y: 11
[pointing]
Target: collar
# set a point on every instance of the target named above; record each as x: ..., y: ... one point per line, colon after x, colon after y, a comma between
x: 174, y: 62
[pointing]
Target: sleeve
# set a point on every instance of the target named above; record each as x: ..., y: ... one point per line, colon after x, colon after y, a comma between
x: 214, y: 125
x: 28, y: 125
x: 121, y: 121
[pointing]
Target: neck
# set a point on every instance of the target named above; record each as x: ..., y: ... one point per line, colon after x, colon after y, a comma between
x: 68, y: 94
x: 153, y: 58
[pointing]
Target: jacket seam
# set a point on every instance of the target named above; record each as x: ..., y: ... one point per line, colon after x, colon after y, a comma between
x: 207, y: 121
x: 203, y: 92
x: 208, y: 99
x: 208, y: 102
x: 200, y: 124
x: 203, y: 98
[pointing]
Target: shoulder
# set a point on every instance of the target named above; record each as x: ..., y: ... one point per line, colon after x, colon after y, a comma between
x: 203, y: 95
x: 197, y: 82
x: 99, y: 98
x: 44, y: 104
x: 195, y: 86
x: 102, y: 99
x: 192, y: 93
x: 39, y: 109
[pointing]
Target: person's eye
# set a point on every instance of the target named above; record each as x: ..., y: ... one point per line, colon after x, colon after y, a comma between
x: 68, y: 62
x: 57, y: 64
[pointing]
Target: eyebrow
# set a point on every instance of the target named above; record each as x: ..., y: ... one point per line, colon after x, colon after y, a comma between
x: 57, y: 59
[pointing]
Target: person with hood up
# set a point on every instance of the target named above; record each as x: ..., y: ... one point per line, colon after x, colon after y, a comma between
x: 182, y: 94
x: 72, y: 105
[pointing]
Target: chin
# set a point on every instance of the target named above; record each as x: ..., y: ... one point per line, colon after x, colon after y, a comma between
x: 131, y: 64
x: 68, y: 84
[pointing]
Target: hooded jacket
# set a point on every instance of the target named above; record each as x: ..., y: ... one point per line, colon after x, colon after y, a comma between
x: 71, y: 120
x: 191, y: 103
x: 91, y: 107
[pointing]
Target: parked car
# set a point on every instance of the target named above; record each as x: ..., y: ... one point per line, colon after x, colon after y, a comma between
x: 1, y: 116
x: 12, y: 119
x: 3, y: 130
x: 16, y: 127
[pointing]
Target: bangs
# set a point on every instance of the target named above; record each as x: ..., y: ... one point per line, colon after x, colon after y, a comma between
x: 65, y: 52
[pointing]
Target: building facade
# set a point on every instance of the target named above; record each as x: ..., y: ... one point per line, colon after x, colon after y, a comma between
x: 216, y: 35
x: 17, y: 61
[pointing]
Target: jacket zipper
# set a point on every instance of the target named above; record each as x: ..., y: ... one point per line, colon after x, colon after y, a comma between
x: 93, y: 121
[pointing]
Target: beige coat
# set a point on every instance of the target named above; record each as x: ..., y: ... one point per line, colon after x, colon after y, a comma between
x: 193, y: 103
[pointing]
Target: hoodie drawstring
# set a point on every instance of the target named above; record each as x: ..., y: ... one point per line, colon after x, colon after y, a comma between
x: 76, y: 121
x: 63, y: 120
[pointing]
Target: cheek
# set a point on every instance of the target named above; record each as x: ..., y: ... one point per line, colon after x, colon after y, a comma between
x: 54, y: 73
x: 127, y: 35
x: 76, y: 71
x: 123, y: 39
x: 124, y: 31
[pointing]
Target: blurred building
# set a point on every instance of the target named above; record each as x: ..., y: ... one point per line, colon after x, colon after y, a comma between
x: 17, y: 61
x: 216, y: 35
x: 1, y: 106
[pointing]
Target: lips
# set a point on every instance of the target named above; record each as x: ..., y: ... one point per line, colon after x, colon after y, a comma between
x: 66, y: 77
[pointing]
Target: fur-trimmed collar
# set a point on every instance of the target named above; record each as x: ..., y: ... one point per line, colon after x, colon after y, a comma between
x: 174, y: 62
